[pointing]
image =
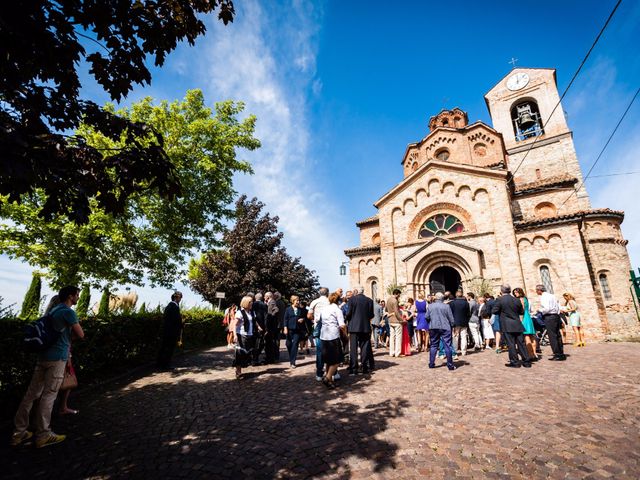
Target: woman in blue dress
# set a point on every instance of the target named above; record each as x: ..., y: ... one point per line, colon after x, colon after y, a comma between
x: 422, y: 324
x: 529, y: 329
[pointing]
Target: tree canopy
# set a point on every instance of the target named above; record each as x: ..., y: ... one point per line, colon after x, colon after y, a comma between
x: 42, y: 45
x: 153, y: 236
x: 252, y: 259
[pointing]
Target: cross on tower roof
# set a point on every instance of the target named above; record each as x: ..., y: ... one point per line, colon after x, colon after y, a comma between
x: 513, y: 62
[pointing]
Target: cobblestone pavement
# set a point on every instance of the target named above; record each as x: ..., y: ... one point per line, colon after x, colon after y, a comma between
x: 577, y: 419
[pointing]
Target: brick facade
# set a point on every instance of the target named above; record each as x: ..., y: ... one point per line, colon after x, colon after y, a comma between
x: 511, y: 191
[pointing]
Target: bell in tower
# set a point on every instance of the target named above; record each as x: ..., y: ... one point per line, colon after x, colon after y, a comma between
x: 526, y: 120
x: 525, y: 117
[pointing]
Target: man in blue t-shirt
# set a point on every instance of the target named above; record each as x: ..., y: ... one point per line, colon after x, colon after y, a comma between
x: 49, y: 374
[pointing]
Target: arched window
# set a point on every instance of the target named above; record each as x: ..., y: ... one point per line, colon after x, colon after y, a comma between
x: 374, y: 290
x: 442, y: 155
x: 604, y: 286
x: 545, y: 277
x: 526, y: 119
x: 439, y: 225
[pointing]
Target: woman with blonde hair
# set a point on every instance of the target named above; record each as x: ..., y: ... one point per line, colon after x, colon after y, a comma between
x: 243, y: 328
x: 571, y: 307
x: 421, y: 322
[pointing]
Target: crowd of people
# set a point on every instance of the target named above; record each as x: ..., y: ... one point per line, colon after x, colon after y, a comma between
x: 344, y: 328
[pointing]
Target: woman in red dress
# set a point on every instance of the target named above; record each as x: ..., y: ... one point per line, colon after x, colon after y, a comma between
x: 405, y: 350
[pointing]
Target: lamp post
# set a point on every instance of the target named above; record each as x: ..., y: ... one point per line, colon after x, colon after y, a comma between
x: 343, y: 268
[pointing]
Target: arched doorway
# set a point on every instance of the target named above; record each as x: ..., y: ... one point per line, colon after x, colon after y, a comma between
x: 444, y: 279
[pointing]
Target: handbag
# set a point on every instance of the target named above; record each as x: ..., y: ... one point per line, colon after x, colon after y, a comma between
x: 69, y: 381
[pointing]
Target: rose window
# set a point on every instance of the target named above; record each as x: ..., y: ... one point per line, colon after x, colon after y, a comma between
x: 439, y: 225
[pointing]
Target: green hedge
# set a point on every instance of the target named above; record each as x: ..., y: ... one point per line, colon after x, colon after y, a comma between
x: 111, y: 346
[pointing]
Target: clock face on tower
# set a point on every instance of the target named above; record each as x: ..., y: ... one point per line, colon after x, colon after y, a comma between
x: 517, y: 81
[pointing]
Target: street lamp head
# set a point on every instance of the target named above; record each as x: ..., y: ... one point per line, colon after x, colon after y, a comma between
x: 343, y: 270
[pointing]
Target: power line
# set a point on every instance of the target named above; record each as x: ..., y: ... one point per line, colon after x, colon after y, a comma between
x: 614, y: 174
x: 603, y: 148
x: 584, y: 60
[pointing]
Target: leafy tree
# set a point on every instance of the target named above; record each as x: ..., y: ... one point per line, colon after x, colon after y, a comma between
x: 82, y: 308
x: 153, y: 236
x: 103, y: 308
x: 31, y: 302
x: 394, y: 286
x: 252, y: 259
x: 6, y: 311
x: 479, y: 286
x: 40, y: 52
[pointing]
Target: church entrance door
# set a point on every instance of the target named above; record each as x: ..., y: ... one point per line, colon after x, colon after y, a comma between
x: 444, y: 279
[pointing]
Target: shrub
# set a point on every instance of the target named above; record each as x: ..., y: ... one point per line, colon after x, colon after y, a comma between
x: 103, y: 308
x: 82, y: 308
x: 31, y: 303
x: 110, y: 347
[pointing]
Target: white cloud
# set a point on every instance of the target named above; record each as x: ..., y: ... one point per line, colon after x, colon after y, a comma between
x: 269, y: 62
x: 316, y: 87
x: 273, y: 77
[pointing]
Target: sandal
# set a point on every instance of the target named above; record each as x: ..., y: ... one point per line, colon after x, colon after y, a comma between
x: 69, y: 411
x: 328, y: 383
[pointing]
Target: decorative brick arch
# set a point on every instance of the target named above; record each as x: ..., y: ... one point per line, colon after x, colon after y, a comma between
x: 442, y: 207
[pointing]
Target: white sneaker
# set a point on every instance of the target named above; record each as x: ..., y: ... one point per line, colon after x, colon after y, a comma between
x: 337, y: 376
x: 318, y: 379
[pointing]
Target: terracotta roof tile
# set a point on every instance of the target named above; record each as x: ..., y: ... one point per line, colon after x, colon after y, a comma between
x: 554, y: 181
x: 352, y: 252
x: 568, y: 217
x: 372, y: 219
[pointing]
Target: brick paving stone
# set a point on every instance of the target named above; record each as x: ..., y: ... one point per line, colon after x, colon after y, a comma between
x: 576, y: 419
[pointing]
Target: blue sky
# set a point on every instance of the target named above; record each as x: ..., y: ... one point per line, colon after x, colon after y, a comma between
x: 340, y: 89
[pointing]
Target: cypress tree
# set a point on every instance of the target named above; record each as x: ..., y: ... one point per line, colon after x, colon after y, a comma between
x: 103, y: 309
x: 143, y: 308
x: 31, y: 303
x: 82, y: 309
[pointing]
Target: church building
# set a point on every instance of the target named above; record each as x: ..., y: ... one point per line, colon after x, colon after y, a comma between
x: 499, y: 204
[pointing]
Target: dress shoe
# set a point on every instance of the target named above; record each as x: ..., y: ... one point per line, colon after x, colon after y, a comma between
x: 452, y: 368
x: 432, y: 366
x: 513, y: 365
x: 558, y: 358
x: 526, y: 365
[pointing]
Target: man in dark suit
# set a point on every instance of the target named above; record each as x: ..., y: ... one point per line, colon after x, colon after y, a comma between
x: 510, y: 308
x: 358, y: 319
x: 260, y: 315
x: 272, y: 333
x: 171, y: 329
x: 461, y: 314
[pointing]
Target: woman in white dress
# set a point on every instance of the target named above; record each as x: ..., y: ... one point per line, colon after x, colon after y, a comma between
x: 332, y: 323
x: 487, y: 329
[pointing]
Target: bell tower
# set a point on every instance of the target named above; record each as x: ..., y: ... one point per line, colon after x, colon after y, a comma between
x: 522, y: 106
